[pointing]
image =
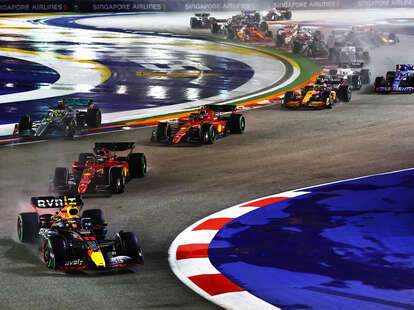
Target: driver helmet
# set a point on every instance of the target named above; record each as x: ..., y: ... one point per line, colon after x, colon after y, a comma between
x: 203, y: 111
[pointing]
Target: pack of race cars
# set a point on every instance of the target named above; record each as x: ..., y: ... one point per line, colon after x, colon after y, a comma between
x: 70, y: 241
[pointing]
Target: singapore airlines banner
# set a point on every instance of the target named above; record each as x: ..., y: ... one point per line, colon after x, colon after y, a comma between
x: 189, y: 5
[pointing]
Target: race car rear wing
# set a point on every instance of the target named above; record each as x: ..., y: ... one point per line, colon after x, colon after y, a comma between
x: 221, y: 108
x: 77, y: 102
x: 115, y: 146
x: 408, y: 67
x: 202, y: 14
x: 352, y: 65
x: 51, y: 202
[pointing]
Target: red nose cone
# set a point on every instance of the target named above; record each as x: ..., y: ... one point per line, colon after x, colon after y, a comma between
x: 82, y: 188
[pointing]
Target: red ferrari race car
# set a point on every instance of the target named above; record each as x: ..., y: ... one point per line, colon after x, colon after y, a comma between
x: 70, y: 242
x: 252, y: 32
x: 205, y: 126
x: 105, y: 171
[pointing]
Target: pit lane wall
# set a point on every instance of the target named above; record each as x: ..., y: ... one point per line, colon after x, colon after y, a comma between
x: 16, y: 6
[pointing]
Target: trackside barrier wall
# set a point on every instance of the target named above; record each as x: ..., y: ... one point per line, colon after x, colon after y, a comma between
x: 188, y: 5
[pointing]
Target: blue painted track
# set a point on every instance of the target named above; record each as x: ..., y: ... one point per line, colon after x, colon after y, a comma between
x: 124, y: 90
x: 348, y: 245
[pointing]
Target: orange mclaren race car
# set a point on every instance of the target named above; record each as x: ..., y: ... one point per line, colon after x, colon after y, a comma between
x: 71, y: 242
x: 252, y: 32
x: 317, y: 96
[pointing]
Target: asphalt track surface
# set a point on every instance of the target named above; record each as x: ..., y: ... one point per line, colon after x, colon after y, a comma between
x: 280, y: 150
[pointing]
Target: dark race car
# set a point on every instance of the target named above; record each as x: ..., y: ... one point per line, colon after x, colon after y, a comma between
x: 66, y: 119
x: 201, y: 21
x: 351, y: 74
x: 278, y: 14
x: 347, y: 54
x: 309, y: 44
x: 319, y: 95
x: 401, y: 80
x: 70, y: 242
x: 104, y: 171
x: 203, y: 127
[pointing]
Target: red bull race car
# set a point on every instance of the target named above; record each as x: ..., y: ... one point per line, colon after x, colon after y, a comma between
x: 204, y: 127
x: 73, y: 242
x: 104, y: 171
x: 318, y: 95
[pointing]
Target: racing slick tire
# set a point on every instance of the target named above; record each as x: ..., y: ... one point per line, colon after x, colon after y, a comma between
x: 393, y: 37
x: 238, y: 123
x: 289, y: 96
x: 28, y: 225
x: 380, y: 82
x: 365, y: 76
x: 83, y: 157
x: 296, y: 47
x: 54, y: 252
x: 344, y: 93
x: 279, y: 40
x: 194, y: 23
x: 97, y: 221
x: 137, y: 163
x: 126, y: 244
x: 390, y: 77
x: 288, y: 15
x: 214, y: 28
x: 208, y: 134
x: 96, y: 216
x: 264, y: 26
x: 69, y: 129
x: 161, y: 133
x: 60, y: 177
x: 94, y: 118
x: 329, y: 102
x: 117, y: 180
x: 25, y: 123
x: 356, y: 81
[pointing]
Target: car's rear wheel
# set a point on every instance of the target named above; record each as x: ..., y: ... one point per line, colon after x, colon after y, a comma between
x: 53, y: 252
x: 344, y: 93
x: 238, y: 123
x: 83, y: 157
x: 379, y: 82
x: 69, y: 129
x: 94, y: 118
x: 365, y: 76
x: 126, y: 244
x: 208, y: 134
x: 162, y: 132
x: 137, y: 165
x: 356, y: 82
x: 28, y: 225
x: 117, y: 180
x: 329, y: 102
x: 97, y: 221
x: 25, y: 124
